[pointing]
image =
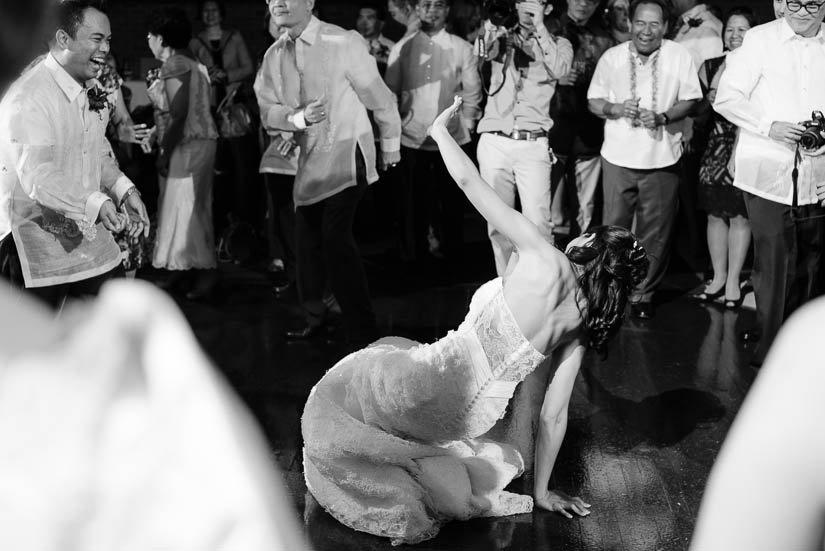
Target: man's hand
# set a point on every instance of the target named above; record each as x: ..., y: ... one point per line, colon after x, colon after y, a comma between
x: 389, y: 159
x: 110, y: 218
x: 649, y: 119
x: 536, y: 11
x: 133, y: 133
x: 315, y: 111
x: 628, y: 109
x: 559, y: 502
x: 138, y: 218
x: 286, y: 147
x: 571, y: 77
x: 786, y: 132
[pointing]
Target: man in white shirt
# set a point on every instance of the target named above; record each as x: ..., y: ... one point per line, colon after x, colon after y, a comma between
x: 317, y: 81
x: 771, y: 83
x: 526, y: 63
x: 644, y: 89
x: 62, y: 194
x: 426, y: 70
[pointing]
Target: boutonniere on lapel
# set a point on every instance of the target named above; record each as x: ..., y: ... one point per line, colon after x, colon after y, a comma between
x: 98, y: 100
x: 694, y: 21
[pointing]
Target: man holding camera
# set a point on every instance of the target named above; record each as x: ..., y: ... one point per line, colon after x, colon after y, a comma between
x: 772, y: 82
x: 513, y: 152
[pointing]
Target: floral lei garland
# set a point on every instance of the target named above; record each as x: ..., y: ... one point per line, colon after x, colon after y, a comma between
x: 654, y: 84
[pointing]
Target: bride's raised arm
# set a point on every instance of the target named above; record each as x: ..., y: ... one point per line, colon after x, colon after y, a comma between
x: 508, y: 221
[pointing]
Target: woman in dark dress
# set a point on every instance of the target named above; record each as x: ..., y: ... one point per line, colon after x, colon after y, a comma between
x: 728, y: 230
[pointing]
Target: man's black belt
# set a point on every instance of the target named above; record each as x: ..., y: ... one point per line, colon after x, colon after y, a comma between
x: 527, y: 135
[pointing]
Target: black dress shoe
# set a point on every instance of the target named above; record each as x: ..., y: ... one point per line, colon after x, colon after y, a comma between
x: 642, y: 310
x: 751, y: 335
x: 304, y: 333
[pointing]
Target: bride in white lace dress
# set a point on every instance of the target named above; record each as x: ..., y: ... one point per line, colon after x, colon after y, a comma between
x: 392, y: 431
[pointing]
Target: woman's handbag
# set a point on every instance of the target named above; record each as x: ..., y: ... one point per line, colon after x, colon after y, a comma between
x: 234, y: 119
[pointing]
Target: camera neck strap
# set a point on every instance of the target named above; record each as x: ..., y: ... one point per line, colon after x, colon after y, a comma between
x: 797, y: 156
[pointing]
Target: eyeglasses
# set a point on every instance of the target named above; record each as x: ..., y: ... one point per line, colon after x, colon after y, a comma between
x: 811, y: 7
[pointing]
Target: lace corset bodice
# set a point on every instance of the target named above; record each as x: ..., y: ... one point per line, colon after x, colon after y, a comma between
x: 457, y: 387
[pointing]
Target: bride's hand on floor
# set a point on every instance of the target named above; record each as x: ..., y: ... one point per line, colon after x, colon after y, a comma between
x: 442, y: 119
x: 559, y: 502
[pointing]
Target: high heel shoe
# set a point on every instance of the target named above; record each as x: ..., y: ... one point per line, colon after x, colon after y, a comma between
x: 704, y: 296
x: 734, y: 304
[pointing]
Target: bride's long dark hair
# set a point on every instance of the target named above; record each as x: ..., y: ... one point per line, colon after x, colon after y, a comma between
x: 611, y: 265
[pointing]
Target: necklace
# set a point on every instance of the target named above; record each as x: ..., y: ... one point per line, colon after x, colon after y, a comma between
x: 654, y: 84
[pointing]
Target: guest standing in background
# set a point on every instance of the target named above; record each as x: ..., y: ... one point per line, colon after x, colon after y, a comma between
x: 186, y: 136
x: 424, y: 90
x: 728, y: 232
x: 526, y: 63
x: 318, y: 81
x: 577, y: 134
x: 618, y: 20
x: 771, y: 83
x: 369, y: 24
x: 644, y: 89
x: 231, y: 70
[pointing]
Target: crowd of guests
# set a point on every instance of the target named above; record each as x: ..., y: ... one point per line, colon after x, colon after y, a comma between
x: 578, y: 114
x: 585, y: 114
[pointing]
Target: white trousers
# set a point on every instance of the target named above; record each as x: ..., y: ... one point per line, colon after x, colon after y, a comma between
x: 517, y: 166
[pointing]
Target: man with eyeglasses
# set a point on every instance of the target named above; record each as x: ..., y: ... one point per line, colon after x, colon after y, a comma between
x: 772, y: 82
x: 318, y: 81
x: 426, y: 70
x: 526, y: 63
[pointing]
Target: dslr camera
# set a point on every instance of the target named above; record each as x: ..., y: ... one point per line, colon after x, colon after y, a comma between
x: 813, y: 138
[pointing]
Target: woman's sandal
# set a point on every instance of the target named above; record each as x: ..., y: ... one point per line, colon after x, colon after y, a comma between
x: 734, y: 304
x: 704, y: 296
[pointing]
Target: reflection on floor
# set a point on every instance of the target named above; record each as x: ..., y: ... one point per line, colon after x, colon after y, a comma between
x: 645, y: 424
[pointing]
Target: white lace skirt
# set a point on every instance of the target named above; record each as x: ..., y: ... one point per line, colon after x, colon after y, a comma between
x: 376, y: 480
x: 185, y: 236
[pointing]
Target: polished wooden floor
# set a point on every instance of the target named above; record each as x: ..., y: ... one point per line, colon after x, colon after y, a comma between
x: 645, y: 424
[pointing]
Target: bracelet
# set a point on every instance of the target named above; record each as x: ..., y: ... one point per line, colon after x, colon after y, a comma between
x: 667, y: 119
x: 131, y: 191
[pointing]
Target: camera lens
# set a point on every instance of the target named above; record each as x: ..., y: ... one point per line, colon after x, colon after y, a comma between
x: 810, y: 140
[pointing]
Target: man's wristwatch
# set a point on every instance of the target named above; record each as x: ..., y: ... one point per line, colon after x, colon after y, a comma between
x: 666, y: 119
x: 126, y: 195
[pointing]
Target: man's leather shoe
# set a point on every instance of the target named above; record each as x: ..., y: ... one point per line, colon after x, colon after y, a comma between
x: 642, y: 310
x: 304, y: 333
x: 751, y: 335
